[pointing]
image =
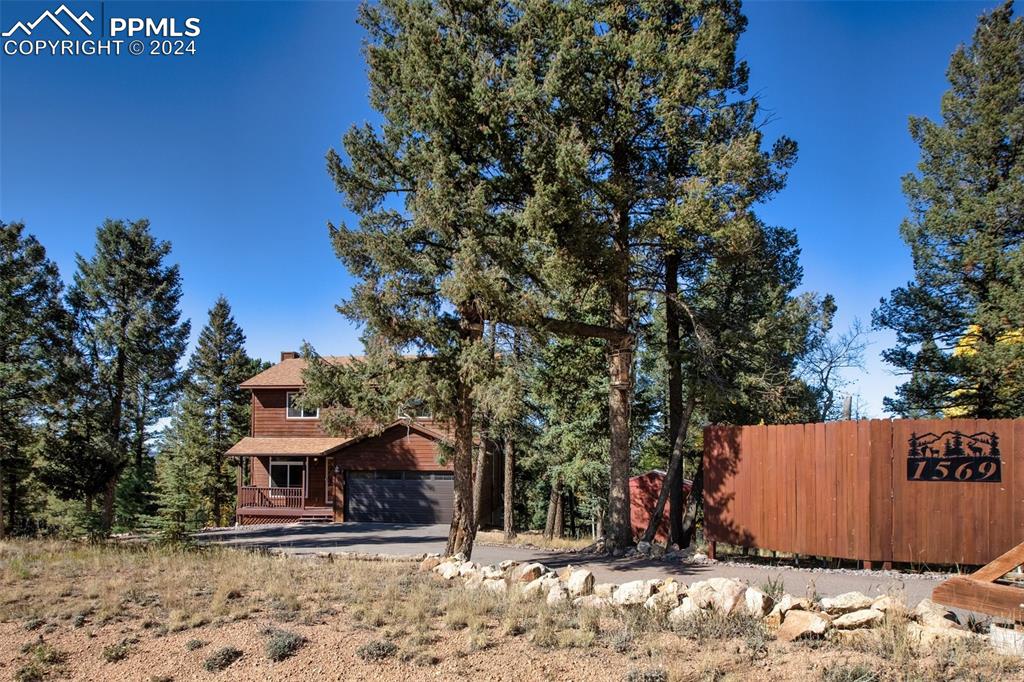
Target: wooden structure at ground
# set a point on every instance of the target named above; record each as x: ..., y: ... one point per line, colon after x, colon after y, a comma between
x: 938, y: 492
x: 986, y: 590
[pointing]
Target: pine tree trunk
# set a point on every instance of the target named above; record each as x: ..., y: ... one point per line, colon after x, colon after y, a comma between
x: 696, y: 497
x: 673, y: 480
x: 478, y: 482
x: 549, y: 523
x: 620, y: 369
x: 675, y: 396
x: 462, y: 532
x: 509, y: 489
x: 559, y: 526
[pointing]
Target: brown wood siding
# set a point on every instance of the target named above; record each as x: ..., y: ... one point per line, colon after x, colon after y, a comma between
x: 260, y: 472
x: 841, y: 490
x: 270, y: 417
x: 396, y: 449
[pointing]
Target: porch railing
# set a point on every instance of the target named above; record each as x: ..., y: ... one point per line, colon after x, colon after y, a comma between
x: 266, y: 497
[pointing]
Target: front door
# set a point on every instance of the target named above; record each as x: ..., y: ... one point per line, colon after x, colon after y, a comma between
x: 334, y: 498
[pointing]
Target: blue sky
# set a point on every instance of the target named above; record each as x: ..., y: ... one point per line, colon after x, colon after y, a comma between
x: 224, y: 150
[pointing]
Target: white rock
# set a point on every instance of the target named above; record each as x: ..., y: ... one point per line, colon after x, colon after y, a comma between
x: 932, y: 615
x: 605, y: 589
x: 662, y: 602
x: 557, y: 595
x: 724, y: 594
x: 473, y: 582
x: 686, y: 609
x: 865, y: 618
x: 497, y: 586
x: 591, y: 601
x: 448, y: 570
x: 889, y: 604
x: 507, y: 564
x: 927, y: 637
x: 633, y: 593
x: 460, y: 557
x: 468, y: 569
x: 757, y: 602
x: 802, y: 625
x: 492, y: 572
x: 580, y: 583
x: 845, y: 603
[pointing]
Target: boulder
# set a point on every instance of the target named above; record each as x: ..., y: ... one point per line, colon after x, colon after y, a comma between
x: 724, y: 594
x: 495, y: 585
x: 580, y: 582
x: 591, y: 601
x: 605, y: 590
x: 492, y: 572
x: 447, y: 570
x: 926, y: 636
x: 865, y: 618
x: 932, y: 615
x: 459, y: 558
x: 845, y: 603
x: 643, y: 548
x: 757, y: 602
x: 672, y: 586
x: 429, y: 564
x: 662, y: 602
x: 507, y: 564
x: 686, y: 609
x: 467, y: 569
x: 474, y: 582
x: 525, y: 573
x: 889, y: 604
x: 802, y: 625
x: 634, y: 593
x: 787, y: 603
x: 557, y: 595
x: 540, y: 586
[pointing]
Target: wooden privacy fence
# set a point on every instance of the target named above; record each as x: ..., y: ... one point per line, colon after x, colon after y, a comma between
x: 921, y: 491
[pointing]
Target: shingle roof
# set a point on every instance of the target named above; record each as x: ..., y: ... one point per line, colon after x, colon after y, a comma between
x: 250, y: 446
x: 288, y: 373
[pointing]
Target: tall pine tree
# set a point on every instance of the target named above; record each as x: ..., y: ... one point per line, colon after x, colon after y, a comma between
x: 32, y: 325
x: 196, y: 482
x: 129, y: 336
x: 959, y: 322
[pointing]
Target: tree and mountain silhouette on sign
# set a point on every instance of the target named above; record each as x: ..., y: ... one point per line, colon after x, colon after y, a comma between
x: 982, y: 444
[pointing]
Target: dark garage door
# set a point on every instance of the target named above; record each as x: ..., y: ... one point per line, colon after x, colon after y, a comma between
x: 399, y: 496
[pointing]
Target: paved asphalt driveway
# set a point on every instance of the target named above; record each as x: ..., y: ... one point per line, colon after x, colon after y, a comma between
x: 403, y: 539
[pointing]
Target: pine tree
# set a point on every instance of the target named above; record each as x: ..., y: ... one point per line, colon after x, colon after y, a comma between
x: 196, y: 482
x: 965, y: 233
x: 32, y: 325
x: 129, y: 338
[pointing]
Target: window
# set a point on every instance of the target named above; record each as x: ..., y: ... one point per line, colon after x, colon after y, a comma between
x: 286, y: 473
x: 296, y: 412
x: 418, y: 409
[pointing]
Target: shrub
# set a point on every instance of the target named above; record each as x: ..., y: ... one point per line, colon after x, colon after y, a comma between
x: 222, y: 658
x: 282, y: 644
x: 377, y: 650
x: 33, y: 672
x: 648, y: 675
x: 841, y: 672
x: 714, y: 625
x: 194, y: 644
x: 116, y: 652
x: 34, y: 624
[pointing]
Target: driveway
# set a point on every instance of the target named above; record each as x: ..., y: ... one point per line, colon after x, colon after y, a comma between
x: 410, y: 540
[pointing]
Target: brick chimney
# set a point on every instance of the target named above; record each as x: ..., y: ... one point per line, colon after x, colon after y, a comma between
x: 288, y: 355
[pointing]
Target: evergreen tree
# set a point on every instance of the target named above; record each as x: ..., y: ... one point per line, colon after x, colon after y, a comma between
x: 196, y: 482
x: 965, y: 232
x: 129, y: 338
x: 32, y: 326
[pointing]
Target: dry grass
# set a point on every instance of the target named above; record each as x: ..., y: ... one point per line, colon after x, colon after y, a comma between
x: 65, y: 607
x: 533, y: 539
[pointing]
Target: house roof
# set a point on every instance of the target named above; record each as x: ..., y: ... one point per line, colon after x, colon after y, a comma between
x: 260, y: 446
x: 288, y: 373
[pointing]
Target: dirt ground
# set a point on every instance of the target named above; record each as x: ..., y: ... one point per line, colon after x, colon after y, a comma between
x: 88, y: 613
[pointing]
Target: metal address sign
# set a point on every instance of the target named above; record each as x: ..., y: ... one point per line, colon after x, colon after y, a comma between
x: 954, y: 456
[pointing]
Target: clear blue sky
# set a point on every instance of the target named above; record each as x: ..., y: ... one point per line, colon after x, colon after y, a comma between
x: 224, y: 151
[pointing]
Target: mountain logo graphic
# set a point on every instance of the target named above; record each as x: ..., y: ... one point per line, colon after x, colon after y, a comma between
x: 69, y: 16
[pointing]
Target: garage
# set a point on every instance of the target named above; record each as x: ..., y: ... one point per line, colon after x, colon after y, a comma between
x: 399, y: 496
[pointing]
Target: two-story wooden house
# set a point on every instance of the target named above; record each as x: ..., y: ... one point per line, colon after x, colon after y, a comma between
x: 291, y: 470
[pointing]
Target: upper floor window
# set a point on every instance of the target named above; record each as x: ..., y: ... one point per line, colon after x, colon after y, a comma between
x: 296, y: 412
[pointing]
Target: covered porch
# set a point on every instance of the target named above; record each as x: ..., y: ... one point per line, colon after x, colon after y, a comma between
x: 287, y: 479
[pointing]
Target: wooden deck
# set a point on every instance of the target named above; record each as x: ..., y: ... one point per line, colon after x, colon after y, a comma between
x: 260, y: 504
